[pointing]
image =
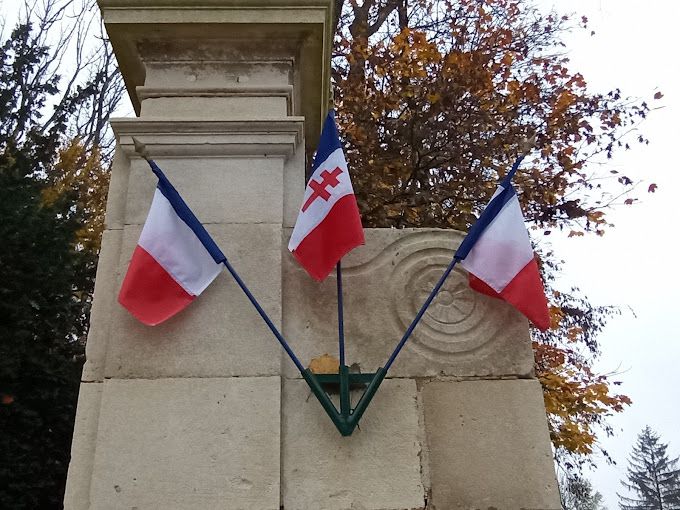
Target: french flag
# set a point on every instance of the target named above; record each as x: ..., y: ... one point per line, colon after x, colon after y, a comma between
x: 498, y: 255
x: 328, y: 225
x: 175, y: 259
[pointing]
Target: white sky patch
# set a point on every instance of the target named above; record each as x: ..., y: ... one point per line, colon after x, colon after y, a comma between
x: 635, y: 48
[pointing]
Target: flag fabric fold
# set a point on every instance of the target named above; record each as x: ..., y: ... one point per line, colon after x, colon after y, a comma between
x: 497, y: 254
x: 328, y: 225
x: 174, y: 261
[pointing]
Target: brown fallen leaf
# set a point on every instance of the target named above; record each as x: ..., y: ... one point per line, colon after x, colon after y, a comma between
x: 324, y: 364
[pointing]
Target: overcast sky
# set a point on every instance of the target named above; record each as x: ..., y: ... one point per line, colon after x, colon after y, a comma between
x: 635, y: 48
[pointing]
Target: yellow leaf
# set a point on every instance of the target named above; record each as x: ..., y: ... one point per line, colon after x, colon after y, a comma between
x: 324, y: 364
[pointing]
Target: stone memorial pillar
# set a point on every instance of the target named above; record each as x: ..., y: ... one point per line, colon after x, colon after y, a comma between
x: 204, y: 411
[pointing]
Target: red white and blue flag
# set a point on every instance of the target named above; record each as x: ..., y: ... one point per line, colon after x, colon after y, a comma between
x: 498, y: 255
x: 328, y: 225
x: 175, y: 259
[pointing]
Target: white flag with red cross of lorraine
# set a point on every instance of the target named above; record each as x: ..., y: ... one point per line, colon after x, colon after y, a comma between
x: 328, y: 225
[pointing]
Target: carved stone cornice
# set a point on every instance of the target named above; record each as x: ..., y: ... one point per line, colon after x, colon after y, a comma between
x: 192, y: 138
x: 151, y: 32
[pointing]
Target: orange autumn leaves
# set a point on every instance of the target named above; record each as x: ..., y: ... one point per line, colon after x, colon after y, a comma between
x: 575, y: 398
x: 82, y: 177
x: 435, y: 112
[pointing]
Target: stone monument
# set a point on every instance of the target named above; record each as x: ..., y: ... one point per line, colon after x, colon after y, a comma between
x: 205, y: 411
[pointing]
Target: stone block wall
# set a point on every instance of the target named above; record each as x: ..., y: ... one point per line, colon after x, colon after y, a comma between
x: 458, y: 424
x: 205, y: 412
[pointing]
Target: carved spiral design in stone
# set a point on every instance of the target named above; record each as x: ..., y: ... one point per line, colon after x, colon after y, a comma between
x: 456, y: 323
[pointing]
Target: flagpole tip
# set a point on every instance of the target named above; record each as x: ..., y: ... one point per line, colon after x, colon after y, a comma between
x: 140, y: 149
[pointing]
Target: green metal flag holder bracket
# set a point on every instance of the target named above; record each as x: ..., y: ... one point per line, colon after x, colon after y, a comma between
x: 347, y: 419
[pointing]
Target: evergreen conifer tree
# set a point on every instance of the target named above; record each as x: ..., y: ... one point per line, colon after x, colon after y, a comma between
x: 577, y: 493
x: 652, y: 476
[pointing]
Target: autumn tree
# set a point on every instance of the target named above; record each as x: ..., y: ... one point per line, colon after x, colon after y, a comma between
x: 53, y: 133
x: 434, y: 98
x: 652, y: 476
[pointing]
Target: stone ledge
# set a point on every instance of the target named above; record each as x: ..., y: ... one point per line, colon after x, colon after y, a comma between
x: 200, y: 137
x: 242, y: 90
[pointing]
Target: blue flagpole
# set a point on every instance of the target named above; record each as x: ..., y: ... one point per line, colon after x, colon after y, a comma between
x: 343, y: 371
x: 341, y: 321
x: 462, y: 251
x: 420, y: 313
x: 264, y: 316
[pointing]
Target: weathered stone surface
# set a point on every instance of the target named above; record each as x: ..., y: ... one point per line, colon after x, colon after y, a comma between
x: 385, y: 283
x: 204, y: 33
x: 117, y: 197
x: 293, y: 190
x: 207, y: 69
x: 218, y: 190
x: 220, y: 334
x: 215, y: 107
x: 188, y: 444
x: 378, y: 467
x: 105, y: 292
x: 489, y: 446
x: 229, y: 96
x: 77, y: 495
